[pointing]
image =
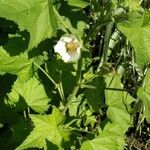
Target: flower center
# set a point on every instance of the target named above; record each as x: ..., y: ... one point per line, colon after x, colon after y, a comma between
x: 72, y: 46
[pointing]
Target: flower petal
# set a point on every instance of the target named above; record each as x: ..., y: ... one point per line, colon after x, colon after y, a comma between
x: 71, y: 55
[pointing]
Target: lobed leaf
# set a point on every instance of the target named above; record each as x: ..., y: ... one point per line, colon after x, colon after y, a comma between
x: 35, y: 16
x: 47, y: 128
x: 107, y: 140
x: 137, y: 30
x: 30, y: 93
x: 118, y: 112
x: 118, y: 102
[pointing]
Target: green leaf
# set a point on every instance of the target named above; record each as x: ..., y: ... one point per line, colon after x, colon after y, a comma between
x: 35, y: 16
x: 78, y: 3
x: 90, y: 120
x: 62, y: 72
x: 19, y: 65
x: 107, y: 140
x: 4, y: 136
x: 6, y: 80
x: 20, y: 132
x: 8, y: 114
x: 137, y: 30
x: 77, y: 106
x: 144, y: 95
x: 75, y: 25
x: 133, y: 5
x: 21, y: 38
x: 118, y: 102
x: 31, y: 93
x: 46, y: 128
x: 95, y: 96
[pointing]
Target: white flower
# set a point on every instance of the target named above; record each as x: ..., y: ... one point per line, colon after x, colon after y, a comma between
x: 68, y: 48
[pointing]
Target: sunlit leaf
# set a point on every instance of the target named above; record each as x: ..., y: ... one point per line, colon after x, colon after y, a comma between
x: 31, y: 93
x: 144, y: 95
x: 78, y: 3
x: 46, y: 128
x: 137, y: 30
x: 35, y: 16
x: 107, y: 140
x: 118, y: 102
x: 19, y: 65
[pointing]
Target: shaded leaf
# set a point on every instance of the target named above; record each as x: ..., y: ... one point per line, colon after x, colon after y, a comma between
x: 6, y: 81
x: 5, y: 134
x: 20, y: 131
x: 8, y: 114
x: 75, y: 25
x: 22, y: 40
x: 95, y: 96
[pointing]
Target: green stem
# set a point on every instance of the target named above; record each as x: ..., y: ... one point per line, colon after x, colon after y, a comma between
x: 76, y: 88
x: 24, y: 114
x: 61, y: 91
x: 61, y: 20
x: 58, y: 86
x: 95, y: 29
x: 45, y: 74
x: 108, y: 32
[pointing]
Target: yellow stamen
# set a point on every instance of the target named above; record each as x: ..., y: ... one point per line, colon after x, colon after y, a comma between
x: 72, y: 46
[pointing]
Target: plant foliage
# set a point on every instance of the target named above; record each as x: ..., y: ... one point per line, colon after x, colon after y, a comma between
x: 90, y: 104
